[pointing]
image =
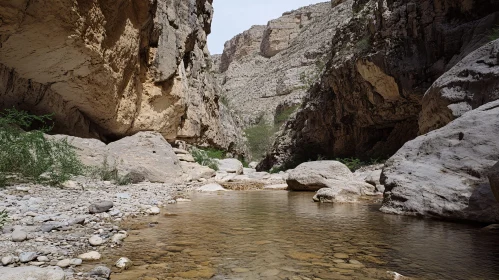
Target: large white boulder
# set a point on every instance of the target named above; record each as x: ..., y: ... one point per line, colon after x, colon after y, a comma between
x: 444, y: 173
x: 230, y: 165
x: 313, y: 176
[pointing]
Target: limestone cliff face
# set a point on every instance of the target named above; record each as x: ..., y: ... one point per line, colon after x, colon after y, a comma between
x: 270, y: 67
x: 385, y: 55
x: 108, y: 69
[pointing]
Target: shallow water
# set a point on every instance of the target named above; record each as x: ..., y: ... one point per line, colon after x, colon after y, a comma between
x: 284, y: 235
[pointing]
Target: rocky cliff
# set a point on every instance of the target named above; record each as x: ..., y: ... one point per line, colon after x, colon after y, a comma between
x: 108, y: 69
x: 267, y: 69
x: 384, y: 56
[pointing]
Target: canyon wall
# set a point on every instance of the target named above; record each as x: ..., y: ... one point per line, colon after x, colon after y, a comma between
x: 108, y: 69
x: 268, y: 69
x: 384, y: 56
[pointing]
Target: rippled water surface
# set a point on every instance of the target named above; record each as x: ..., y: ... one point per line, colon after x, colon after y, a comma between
x: 283, y: 235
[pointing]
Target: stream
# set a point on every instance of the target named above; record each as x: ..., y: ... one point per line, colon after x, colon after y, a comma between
x: 284, y: 235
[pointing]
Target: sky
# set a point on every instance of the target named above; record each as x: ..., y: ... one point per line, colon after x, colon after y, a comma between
x: 235, y: 16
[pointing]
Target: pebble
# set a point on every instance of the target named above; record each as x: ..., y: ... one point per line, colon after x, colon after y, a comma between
x: 19, y: 236
x: 118, y: 238
x: 153, y: 211
x: 42, y: 259
x: 64, y: 263
x: 100, y: 271
x: 123, y: 195
x: 100, y: 207
x: 90, y: 256
x: 7, y: 260
x: 25, y: 257
x: 76, y: 262
x: 124, y: 263
x: 95, y: 240
x: 341, y: 256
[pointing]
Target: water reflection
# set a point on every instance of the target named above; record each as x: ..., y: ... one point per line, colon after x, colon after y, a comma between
x: 283, y: 235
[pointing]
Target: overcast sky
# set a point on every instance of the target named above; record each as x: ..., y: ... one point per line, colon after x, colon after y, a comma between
x: 235, y: 16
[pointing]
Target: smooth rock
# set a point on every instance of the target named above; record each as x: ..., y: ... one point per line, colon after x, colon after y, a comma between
x: 100, y: 271
x: 100, y: 207
x: 19, y: 236
x: 25, y: 257
x: 7, y: 260
x: 124, y: 263
x: 64, y: 263
x: 214, y: 187
x: 95, y: 240
x: 42, y: 259
x: 230, y: 165
x: 153, y: 210
x: 118, y: 238
x: 90, y: 256
x: 76, y: 262
x: 276, y: 187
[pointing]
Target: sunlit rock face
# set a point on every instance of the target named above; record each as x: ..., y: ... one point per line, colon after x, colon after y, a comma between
x: 108, y: 69
x: 383, y: 58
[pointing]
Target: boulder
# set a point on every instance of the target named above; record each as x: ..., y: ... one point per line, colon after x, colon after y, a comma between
x: 341, y: 194
x: 494, y: 180
x: 197, y: 171
x: 32, y: 273
x: 100, y: 207
x: 443, y: 173
x: 471, y: 83
x: 230, y: 165
x: 214, y: 187
x: 145, y: 153
x: 313, y: 176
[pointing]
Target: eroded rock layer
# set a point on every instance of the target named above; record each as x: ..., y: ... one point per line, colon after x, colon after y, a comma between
x: 267, y: 69
x: 108, y: 69
x: 385, y: 55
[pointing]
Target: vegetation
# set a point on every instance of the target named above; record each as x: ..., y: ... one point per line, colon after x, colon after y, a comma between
x: 260, y: 138
x: 106, y: 172
x: 494, y: 34
x: 364, y: 44
x: 308, y: 78
x: 207, y: 157
x: 30, y: 154
x: 4, y: 217
x: 354, y: 163
x: 224, y: 100
x: 285, y: 114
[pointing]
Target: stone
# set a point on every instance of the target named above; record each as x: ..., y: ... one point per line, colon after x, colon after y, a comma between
x: 7, y: 260
x: 118, y: 238
x: 153, y: 210
x: 100, y: 207
x: 230, y: 165
x: 64, y: 263
x: 100, y: 271
x: 471, y: 83
x: 51, y: 226
x: 316, y: 175
x: 345, y: 194
x: 197, y: 171
x: 90, y: 256
x: 124, y: 263
x: 123, y: 195
x: 185, y: 157
x: 253, y: 165
x: 76, y: 262
x: 213, y: 187
x: 341, y: 256
x: 95, y: 240
x: 42, y: 259
x: 360, y: 119
x: 25, y: 257
x: 32, y: 273
x: 19, y: 236
x: 494, y: 180
x: 443, y: 174
x: 167, y: 100
x: 276, y: 187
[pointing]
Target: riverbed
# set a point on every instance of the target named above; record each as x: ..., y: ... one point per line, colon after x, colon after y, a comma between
x: 284, y: 235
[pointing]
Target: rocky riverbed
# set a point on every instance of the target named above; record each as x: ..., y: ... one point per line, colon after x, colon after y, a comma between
x: 51, y: 231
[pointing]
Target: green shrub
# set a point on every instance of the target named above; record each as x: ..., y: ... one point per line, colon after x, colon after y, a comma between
x: 260, y: 138
x: 207, y: 157
x: 4, y: 218
x: 106, y: 172
x: 364, y: 44
x: 285, y: 114
x: 494, y: 34
x: 30, y: 154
